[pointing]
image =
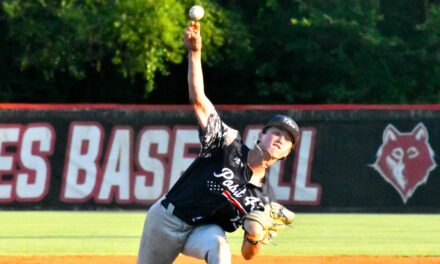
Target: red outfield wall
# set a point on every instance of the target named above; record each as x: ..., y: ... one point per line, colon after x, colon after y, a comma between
x: 360, y: 158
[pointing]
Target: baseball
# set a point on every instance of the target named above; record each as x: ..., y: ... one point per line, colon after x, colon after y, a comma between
x: 196, y: 12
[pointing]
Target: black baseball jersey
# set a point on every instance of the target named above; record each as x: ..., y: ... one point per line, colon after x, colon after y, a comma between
x: 216, y: 187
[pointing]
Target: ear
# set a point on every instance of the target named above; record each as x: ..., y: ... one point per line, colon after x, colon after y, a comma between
x: 420, y: 132
x: 390, y: 133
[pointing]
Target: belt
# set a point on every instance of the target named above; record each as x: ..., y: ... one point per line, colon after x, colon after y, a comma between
x: 175, y: 211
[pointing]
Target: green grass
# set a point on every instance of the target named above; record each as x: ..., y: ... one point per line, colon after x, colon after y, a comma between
x: 118, y: 233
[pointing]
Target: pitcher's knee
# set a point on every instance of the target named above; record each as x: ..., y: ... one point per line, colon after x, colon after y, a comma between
x: 219, y: 252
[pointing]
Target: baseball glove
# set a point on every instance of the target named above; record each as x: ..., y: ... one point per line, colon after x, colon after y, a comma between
x: 275, y: 217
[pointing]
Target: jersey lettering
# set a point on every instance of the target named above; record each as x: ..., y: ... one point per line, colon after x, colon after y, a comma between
x: 226, y: 173
x: 252, y: 201
x: 234, y: 188
x: 236, y: 221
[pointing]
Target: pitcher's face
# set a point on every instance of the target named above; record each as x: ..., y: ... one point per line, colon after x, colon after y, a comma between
x: 277, y: 142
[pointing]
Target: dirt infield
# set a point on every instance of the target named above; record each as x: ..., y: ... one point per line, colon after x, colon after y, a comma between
x: 235, y: 260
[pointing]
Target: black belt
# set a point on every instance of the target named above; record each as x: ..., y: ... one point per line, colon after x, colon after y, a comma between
x: 165, y: 203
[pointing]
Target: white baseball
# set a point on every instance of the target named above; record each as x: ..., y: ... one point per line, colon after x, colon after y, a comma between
x: 196, y: 12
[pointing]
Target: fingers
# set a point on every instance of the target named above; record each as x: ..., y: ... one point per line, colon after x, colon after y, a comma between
x: 194, y: 27
x: 192, y: 36
x: 188, y: 33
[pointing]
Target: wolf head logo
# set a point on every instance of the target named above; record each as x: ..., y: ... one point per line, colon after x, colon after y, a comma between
x: 405, y: 159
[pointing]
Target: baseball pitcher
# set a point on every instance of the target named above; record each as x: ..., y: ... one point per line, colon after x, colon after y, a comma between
x: 223, y: 189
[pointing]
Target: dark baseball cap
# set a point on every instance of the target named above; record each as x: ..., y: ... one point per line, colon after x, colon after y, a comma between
x: 286, y: 123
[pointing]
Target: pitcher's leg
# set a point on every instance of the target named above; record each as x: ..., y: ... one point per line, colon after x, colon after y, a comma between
x: 163, y: 236
x: 208, y: 242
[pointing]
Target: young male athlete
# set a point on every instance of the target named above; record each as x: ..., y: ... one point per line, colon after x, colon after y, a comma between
x: 223, y: 189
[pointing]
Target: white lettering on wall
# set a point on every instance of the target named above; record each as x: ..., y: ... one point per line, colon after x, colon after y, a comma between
x: 84, y: 150
x: 152, y: 150
x: 115, y: 183
x: 133, y: 170
x: 36, y: 145
x: 305, y: 193
x: 24, y: 164
x: 9, y: 136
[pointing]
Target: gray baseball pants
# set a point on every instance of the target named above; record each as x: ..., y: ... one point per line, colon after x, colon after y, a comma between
x: 165, y: 236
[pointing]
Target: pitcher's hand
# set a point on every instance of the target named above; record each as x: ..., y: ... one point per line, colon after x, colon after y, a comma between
x: 193, y: 39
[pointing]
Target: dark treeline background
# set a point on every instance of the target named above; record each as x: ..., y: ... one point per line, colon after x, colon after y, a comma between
x: 255, y: 51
